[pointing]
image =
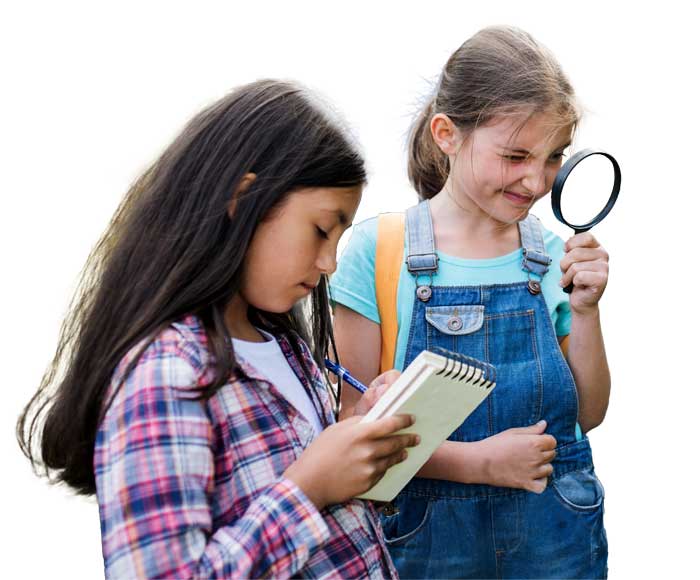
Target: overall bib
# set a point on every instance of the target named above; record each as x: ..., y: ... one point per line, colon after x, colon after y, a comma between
x: 442, y: 529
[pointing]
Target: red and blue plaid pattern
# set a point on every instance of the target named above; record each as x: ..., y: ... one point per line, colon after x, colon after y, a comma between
x: 194, y: 489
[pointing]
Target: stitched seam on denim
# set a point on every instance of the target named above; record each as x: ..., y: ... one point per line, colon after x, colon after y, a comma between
x: 487, y: 357
x: 518, y: 313
x: 411, y: 333
x: 540, y: 381
x: 409, y: 535
x: 575, y: 507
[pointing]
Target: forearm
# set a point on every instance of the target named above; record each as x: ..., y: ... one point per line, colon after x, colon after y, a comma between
x: 455, y: 461
x: 589, y: 366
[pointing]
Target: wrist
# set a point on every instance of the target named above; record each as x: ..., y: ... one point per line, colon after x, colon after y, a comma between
x: 585, y: 312
x: 315, y: 496
x: 477, y: 467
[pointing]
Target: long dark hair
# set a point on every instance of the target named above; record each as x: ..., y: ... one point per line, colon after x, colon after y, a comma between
x: 501, y: 70
x: 171, y: 249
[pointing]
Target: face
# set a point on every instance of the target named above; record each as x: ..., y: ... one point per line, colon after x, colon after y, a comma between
x: 295, y: 245
x: 504, y: 167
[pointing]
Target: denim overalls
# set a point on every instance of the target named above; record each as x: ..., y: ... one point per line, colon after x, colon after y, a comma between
x: 442, y: 529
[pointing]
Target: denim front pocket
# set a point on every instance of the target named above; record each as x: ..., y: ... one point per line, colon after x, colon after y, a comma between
x: 412, y: 514
x: 580, y: 491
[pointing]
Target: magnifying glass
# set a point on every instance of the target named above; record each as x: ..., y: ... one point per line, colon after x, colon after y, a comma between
x: 588, y: 175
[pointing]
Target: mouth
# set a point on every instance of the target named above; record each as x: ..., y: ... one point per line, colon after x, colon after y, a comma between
x: 520, y: 199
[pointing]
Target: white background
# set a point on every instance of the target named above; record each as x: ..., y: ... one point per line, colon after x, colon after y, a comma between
x: 92, y: 93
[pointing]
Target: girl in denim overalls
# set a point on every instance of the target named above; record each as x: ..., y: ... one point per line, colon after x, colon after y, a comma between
x: 513, y: 493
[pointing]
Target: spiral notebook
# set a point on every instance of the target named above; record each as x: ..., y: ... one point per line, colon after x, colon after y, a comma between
x: 441, y: 389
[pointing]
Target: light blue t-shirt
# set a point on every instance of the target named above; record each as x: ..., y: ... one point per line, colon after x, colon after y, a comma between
x: 353, y: 286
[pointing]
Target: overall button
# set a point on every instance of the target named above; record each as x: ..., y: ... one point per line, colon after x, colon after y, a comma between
x: 424, y: 293
x: 390, y: 509
x: 533, y: 287
x: 455, y: 323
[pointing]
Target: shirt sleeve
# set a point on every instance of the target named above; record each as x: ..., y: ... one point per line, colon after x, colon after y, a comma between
x: 154, y: 469
x: 353, y: 285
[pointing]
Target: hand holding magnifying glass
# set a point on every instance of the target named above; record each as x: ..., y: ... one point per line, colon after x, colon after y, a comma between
x: 585, y: 186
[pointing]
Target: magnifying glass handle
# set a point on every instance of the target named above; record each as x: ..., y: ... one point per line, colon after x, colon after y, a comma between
x: 570, y: 288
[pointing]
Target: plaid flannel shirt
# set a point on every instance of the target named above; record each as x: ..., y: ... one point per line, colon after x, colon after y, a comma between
x: 194, y: 489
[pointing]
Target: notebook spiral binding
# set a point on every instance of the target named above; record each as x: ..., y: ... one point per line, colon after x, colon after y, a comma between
x: 463, y: 367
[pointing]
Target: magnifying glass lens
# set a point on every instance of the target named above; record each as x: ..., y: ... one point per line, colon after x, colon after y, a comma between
x: 587, y: 190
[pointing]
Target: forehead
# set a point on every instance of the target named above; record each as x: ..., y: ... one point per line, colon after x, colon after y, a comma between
x: 326, y: 199
x: 527, y: 132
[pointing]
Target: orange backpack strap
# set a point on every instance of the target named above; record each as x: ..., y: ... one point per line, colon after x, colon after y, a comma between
x: 387, y: 269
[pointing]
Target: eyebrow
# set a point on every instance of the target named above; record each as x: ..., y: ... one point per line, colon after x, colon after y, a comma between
x: 526, y: 152
x: 342, y: 218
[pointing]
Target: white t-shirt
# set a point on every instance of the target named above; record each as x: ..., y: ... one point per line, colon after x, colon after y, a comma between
x: 269, y: 359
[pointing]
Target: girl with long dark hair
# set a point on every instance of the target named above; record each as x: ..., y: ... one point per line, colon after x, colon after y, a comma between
x: 185, y: 391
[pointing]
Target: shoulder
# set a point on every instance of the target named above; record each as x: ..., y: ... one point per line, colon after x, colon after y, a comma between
x: 364, y: 233
x: 552, y: 242
x: 174, y: 358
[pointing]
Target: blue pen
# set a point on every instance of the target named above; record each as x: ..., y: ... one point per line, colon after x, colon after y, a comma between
x: 345, y: 375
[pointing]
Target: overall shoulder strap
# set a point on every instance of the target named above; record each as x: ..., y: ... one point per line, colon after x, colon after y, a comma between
x: 535, y: 258
x: 387, y: 269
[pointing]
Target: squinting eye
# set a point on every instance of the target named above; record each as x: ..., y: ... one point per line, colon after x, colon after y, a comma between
x: 514, y: 158
x: 322, y: 233
x: 557, y: 157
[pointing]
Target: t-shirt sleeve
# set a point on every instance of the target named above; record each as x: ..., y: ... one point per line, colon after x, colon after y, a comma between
x: 352, y: 285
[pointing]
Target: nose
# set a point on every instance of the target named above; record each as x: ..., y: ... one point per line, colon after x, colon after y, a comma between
x: 327, y: 262
x: 535, y: 180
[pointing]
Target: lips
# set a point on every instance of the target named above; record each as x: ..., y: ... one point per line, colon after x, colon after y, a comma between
x: 518, y: 198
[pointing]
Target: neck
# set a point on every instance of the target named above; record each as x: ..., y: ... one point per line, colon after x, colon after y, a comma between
x: 237, y: 322
x: 457, y: 211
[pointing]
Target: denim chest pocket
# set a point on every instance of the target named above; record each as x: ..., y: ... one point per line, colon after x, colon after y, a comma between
x: 455, y: 320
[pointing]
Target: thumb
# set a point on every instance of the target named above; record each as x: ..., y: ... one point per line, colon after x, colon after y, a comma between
x: 536, y: 429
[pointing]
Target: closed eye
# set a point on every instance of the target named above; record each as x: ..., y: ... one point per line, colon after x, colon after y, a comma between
x: 322, y: 233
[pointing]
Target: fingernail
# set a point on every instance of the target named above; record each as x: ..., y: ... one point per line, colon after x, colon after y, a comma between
x: 416, y: 440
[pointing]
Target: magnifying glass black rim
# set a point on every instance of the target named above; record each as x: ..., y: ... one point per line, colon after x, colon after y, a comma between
x: 563, y: 174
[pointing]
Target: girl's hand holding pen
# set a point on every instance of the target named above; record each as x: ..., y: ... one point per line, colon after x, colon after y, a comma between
x: 371, y: 394
x: 376, y: 389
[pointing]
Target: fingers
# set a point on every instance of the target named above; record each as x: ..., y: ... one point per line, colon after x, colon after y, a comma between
x: 535, y: 429
x: 537, y: 485
x: 544, y: 471
x: 546, y: 442
x: 548, y: 456
x: 583, y: 255
x: 388, y: 425
x: 584, y: 240
x: 586, y: 274
x: 386, y: 378
x: 394, y: 444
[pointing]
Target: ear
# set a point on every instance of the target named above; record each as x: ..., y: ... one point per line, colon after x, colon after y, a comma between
x: 243, y: 185
x: 445, y: 134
